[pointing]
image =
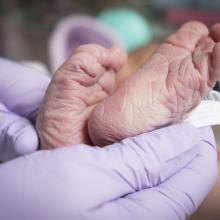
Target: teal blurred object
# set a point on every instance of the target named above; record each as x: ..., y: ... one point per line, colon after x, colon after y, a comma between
x: 131, y: 27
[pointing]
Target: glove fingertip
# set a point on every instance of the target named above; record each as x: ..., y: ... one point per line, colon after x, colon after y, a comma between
x: 27, y: 142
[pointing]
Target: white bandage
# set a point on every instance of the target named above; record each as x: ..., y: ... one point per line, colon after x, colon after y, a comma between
x: 207, y: 112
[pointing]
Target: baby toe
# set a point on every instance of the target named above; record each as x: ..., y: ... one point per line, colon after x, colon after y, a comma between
x: 196, y: 27
x: 118, y: 57
x: 188, y: 35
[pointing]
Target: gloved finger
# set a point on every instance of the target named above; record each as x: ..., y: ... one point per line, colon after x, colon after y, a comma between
x: 17, y: 135
x: 160, y: 153
x: 21, y: 88
x: 179, y: 196
x: 72, y: 181
x: 200, y: 176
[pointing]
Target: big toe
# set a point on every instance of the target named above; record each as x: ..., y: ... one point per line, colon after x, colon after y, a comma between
x: 196, y: 27
x: 188, y: 35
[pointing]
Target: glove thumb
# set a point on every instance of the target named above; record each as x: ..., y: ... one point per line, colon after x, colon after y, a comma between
x: 17, y: 135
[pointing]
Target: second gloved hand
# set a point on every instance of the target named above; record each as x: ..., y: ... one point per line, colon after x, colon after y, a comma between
x: 21, y: 93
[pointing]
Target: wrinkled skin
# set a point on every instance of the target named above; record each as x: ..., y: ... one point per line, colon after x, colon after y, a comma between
x: 169, y: 85
x: 84, y: 80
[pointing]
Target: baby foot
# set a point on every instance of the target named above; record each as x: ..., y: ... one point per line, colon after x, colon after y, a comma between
x: 169, y: 85
x: 85, y: 79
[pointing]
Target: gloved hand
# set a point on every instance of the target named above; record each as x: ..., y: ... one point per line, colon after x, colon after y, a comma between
x: 136, y: 178
x: 21, y: 93
x: 164, y: 174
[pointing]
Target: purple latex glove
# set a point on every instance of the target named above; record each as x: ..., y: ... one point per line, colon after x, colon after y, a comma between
x: 128, y: 180
x: 21, y: 92
x: 164, y: 174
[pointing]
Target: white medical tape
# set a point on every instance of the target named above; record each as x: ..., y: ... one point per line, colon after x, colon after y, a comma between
x: 207, y: 112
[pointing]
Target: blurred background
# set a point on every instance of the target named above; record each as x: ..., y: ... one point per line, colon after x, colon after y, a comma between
x: 27, y: 27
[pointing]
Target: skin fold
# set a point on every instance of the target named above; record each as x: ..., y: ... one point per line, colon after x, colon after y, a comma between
x: 84, y: 80
x: 83, y: 104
